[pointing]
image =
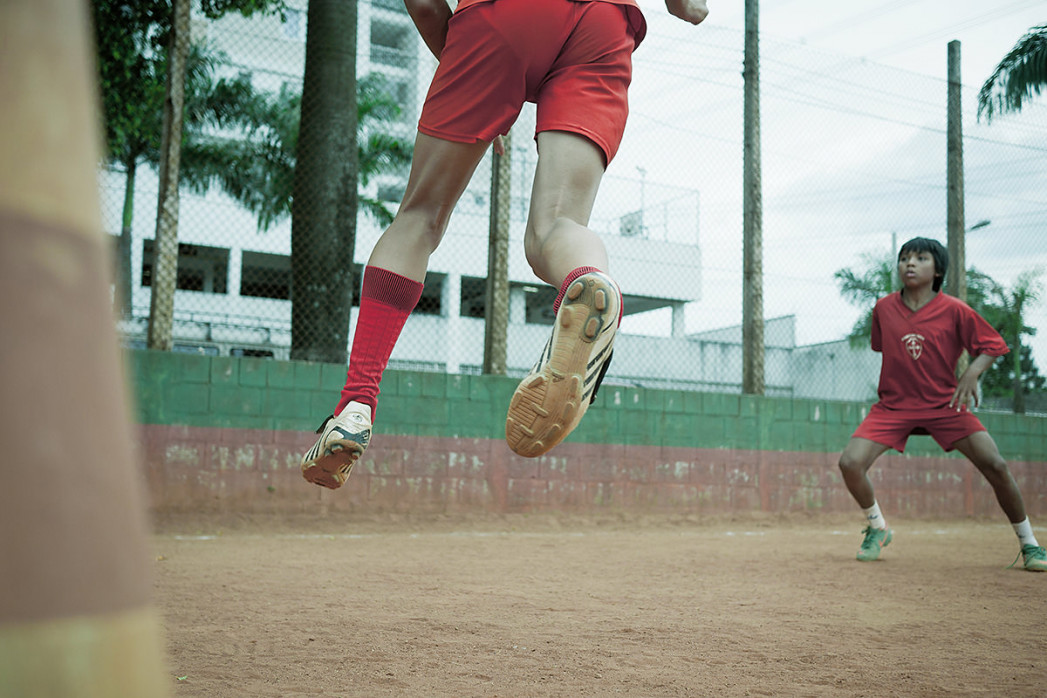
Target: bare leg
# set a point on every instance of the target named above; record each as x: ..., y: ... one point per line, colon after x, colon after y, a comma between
x: 855, y: 462
x: 566, y: 180
x: 440, y: 171
x: 981, y: 450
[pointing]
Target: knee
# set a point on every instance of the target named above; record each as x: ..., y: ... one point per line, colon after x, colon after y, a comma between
x: 421, y: 226
x: 994, y: 468
x: 849, y: 465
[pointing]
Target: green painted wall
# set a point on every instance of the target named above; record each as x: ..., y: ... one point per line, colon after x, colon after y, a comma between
x: 249, y: 393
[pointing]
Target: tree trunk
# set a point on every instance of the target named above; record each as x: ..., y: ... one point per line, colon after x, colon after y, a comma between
x: 323, y: 218
x: 124, y: 274
x: 165, y: 262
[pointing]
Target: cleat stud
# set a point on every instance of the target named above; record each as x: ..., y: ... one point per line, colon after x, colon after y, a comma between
x: 592, y: 327
x: 575, y: 290
x: 600, y: 300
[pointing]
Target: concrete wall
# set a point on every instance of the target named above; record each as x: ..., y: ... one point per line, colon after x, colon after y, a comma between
x: 225, y: 434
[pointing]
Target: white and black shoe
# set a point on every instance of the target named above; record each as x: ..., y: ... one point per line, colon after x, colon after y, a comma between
x: 550, y: 402
x: 342, y: 441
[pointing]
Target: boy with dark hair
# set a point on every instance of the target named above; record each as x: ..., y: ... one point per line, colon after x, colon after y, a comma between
x: 921, y: 334
x: 573, y: 59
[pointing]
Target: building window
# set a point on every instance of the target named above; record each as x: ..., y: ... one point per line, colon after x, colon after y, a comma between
x: 474, y: 297
x: 432, y: 294
x: 248, y: 352
x: 266, y: 276
x: 388, y: 44
x: 200, y: 268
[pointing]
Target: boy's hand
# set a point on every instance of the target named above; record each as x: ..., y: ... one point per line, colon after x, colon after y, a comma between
x: 966, y: 393
x: 693, y: 11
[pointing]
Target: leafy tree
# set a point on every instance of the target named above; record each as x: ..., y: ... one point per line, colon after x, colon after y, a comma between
x: 255, y: 164
x: 872, y: 281
x: 131, y: 40
x: 1007, y: 310
x: 1021, y: 74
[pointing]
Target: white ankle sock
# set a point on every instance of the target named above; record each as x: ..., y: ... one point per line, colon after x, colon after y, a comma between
x: 1024, y: 531
x: 874, y: 517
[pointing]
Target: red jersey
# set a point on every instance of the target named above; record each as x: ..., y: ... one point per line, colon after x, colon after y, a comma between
x: 920, y: 349
x: 636, y: 21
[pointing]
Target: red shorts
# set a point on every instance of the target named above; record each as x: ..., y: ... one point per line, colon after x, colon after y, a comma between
x: 894, y: 427
x: 572, y: 59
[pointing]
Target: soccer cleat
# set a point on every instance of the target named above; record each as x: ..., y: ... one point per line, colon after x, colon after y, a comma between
x: 553, y: 397
x: 876, y: 539
x: 342, y: 441
x: 1034, y: 558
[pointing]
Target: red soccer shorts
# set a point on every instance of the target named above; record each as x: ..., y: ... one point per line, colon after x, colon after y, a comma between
x: 572, y: 59
x: 893, y: 427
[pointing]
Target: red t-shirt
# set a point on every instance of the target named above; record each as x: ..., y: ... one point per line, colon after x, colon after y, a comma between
x: 632, y: 9
x: 920, y: 349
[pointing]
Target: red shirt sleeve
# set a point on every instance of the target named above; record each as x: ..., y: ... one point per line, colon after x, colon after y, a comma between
x: 978, y: 336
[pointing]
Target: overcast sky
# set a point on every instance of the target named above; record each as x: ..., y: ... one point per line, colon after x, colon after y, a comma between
x: 853, y: 102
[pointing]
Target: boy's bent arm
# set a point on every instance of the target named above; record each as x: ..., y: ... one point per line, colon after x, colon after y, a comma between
x: 967, y: 386
x: 430, y: 17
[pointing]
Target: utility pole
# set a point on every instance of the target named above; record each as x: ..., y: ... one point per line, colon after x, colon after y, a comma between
x: 956, y: 278
x: 496, y: 301
x: 752, y: 212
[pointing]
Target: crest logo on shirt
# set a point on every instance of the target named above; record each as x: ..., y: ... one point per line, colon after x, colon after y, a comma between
x: 913, y: 344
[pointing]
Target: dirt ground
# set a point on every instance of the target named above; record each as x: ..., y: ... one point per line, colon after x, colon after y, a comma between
x: 571, y: 606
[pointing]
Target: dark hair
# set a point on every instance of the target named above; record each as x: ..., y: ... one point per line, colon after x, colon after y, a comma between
x: 937, y: 251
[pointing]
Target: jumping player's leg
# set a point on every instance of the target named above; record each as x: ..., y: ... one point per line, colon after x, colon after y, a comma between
x: 392, y: 286
x: 981, y: 450
x: 855, y: 461
x: 567, y: 177
x: 440, y: 172
x: 582, y: 109
x: 550, y: 402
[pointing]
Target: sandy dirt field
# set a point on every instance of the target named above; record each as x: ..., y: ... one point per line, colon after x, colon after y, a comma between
x: 570, y: 606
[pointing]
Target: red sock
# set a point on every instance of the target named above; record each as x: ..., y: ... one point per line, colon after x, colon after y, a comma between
x: 386, y: 301
x: 570, y: 279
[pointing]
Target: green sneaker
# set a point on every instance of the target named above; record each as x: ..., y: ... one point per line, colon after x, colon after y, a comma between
x: 876, y: 539
x: 1034, y: 558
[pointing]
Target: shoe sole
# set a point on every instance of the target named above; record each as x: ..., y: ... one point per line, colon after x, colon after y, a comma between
x: 548, y: 405
x: 886, y: 542
x: 331, y: 468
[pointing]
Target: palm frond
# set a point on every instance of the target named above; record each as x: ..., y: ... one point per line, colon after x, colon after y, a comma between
x: 1019, y: 76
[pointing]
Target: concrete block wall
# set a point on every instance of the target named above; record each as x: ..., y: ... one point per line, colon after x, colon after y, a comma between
x: 225, y: 434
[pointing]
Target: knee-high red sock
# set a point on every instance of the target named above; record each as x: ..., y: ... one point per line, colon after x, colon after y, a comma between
x: 386, y: 301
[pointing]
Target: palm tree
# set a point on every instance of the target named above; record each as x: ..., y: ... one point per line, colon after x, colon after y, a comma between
x: 1021, y: 74
x: 1014, y: 304
x: 252, y: 159
x: 132, y: 67
x: 863, y: 288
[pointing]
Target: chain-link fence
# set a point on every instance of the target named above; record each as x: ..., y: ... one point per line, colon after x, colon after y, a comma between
x: 853, y: 164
